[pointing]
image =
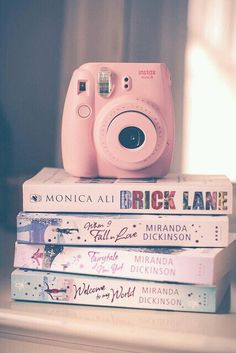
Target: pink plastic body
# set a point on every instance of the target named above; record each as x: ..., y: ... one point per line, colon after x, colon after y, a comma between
x: 92, y: 122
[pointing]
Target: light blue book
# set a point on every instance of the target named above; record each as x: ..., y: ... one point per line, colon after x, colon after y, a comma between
x: 42, y: 286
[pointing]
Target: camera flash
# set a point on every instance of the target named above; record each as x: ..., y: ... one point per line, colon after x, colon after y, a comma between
x: 104, y: 82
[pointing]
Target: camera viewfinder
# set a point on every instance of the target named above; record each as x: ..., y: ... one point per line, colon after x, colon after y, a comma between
x: 82, y: 86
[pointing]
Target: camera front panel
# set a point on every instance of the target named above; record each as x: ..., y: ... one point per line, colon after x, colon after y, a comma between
x: 118, y: 120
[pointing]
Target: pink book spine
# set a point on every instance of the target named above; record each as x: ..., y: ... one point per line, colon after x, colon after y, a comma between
x: 157, y: 264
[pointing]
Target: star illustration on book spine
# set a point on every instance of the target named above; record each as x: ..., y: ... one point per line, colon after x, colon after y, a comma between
x: 50, y: 253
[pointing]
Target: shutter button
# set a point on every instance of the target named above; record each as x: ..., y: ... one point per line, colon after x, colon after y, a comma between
x: 84, y: 111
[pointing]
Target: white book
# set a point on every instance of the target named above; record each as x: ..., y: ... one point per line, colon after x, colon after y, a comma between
x: 53, y: 190
x: 122, y: 229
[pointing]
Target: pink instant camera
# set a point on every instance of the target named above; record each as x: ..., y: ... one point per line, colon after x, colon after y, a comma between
x: 118, y: 121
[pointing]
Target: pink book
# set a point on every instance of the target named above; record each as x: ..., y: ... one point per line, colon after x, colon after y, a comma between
x: 187, y: 265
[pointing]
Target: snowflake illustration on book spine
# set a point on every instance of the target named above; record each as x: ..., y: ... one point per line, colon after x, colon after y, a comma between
x: 50, y: 253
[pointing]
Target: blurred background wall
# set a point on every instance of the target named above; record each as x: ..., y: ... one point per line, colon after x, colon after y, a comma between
x: 42, y: 42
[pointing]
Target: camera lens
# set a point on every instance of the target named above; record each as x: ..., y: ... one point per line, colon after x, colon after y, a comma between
x: 126, y: 79
x: 131, y: 137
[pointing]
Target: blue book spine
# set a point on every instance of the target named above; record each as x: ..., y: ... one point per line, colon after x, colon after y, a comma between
x: 91, y: 290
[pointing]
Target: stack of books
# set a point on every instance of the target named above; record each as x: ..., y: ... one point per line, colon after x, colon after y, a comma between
x: 146, y: 243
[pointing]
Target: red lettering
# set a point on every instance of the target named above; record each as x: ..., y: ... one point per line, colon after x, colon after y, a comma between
x: 157, y: 195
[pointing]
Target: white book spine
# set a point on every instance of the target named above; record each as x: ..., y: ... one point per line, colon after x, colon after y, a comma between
x: 121, y: 230
x: 57, y: 192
